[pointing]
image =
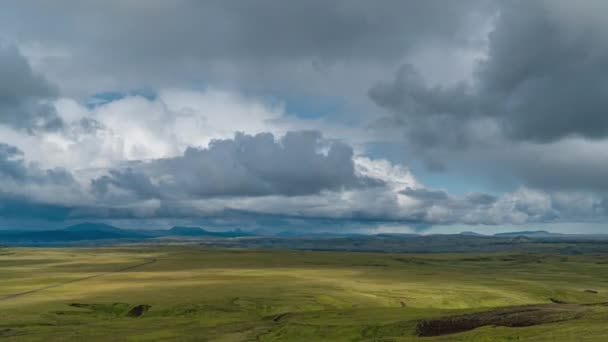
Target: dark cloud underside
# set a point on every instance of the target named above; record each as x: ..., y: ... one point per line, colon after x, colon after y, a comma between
x: 245, y: 166
x: 510, y: 97
x: 25, y: 95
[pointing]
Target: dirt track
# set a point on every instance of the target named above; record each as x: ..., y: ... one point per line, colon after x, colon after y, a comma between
x: 127, y: 268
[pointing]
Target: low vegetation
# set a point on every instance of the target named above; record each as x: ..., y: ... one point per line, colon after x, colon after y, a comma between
x: 143, y: 293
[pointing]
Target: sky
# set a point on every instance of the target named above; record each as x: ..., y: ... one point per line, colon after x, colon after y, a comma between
x: 307, y: 116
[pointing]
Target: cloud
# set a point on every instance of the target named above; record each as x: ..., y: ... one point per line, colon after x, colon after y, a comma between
x: 13, y: 168
x: 541, y: 76
x: 426, y: 194
x: 246, y: 165
x: 431, y: 115
x: 25, y: 96
x: 313, y: 29
x: 522, y: 206
x: 518, y: 112
x: 13, y: 206
x: 28, y: 191
x: 572, y: 164
x: 251, y: 179
x: 316, y: 49
x: 540, y: 82
x: 533, y: 112
x: 256, y: 176
x: 128, y: 179
x: 134, y: 127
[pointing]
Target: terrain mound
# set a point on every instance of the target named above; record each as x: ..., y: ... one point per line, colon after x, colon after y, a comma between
x: 138, y: 310
x: 514, y: 316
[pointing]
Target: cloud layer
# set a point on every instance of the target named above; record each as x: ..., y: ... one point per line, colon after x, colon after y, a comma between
x: 244, y: 166
x: 533, y: 112
x: 25, y: 96
x: 231, y: 113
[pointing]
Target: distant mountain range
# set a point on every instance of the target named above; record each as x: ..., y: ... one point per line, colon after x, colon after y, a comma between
x: 195, y: 231
x: 524, y: 233
x: 527, y: 233
x: 471, y: 234
x: 531, y: 234
x: 100, y: 231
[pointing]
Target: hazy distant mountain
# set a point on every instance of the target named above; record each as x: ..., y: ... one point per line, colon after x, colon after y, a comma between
x: 88, y: 231
x: 97, y: 231
x: 187, y: 231
x: 80, y: 232
x: 320, y: 235
x: 530, y: 233
x: 94, y: 227
x: 397, y: 235
x: 467, y: 233
x: 440, y: 243
x: 196, y: 231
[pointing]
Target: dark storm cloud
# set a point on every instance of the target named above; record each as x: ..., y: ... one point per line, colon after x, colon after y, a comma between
x: 25, y: 95
x: 567, y: 165
x: 16, y: 175
x: 14, y: 168
x: 559, y: 168
x: 128, y: 179
x: 431, y: 115
x: 540, y: 84
x: 205, y: 38
x: 544, y: 75
x: 237, y: 29
x: 245, y: 166
x: 294, y: 174
x: 481, y: 199
x: 21, y: 207
x: 10, y: 165
x: 426, y: 194
x: 534, y: 113
x: 541, y: 81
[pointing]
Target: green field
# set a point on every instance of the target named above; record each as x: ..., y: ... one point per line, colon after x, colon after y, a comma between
x: 189, y: 293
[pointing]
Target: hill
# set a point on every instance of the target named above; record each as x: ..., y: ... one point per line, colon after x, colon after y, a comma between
x: 531, y: 234
x: 189, y: 293
x: 467, y: 233
x: 196, y: 231
x: 88, y: 233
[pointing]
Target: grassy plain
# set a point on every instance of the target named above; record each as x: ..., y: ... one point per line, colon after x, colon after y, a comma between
x: 260, y: 295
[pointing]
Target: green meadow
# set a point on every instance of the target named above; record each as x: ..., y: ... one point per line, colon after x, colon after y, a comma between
x: 185, y: 293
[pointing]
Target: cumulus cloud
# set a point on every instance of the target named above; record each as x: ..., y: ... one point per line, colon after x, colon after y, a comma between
x: 299, y: 163
x: 252, y: 179
x: 319, y: 50
x: 14, y: 168
x: 28, y: 191
x: 431, y: 115
x: 25, y: 96
x: 16, y: 209
x: 541, y: 74
x: 135, y: 127
x: 539, y: 81
x: 510, y: 94
x: 533, y: 112
x: 252, y: 185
